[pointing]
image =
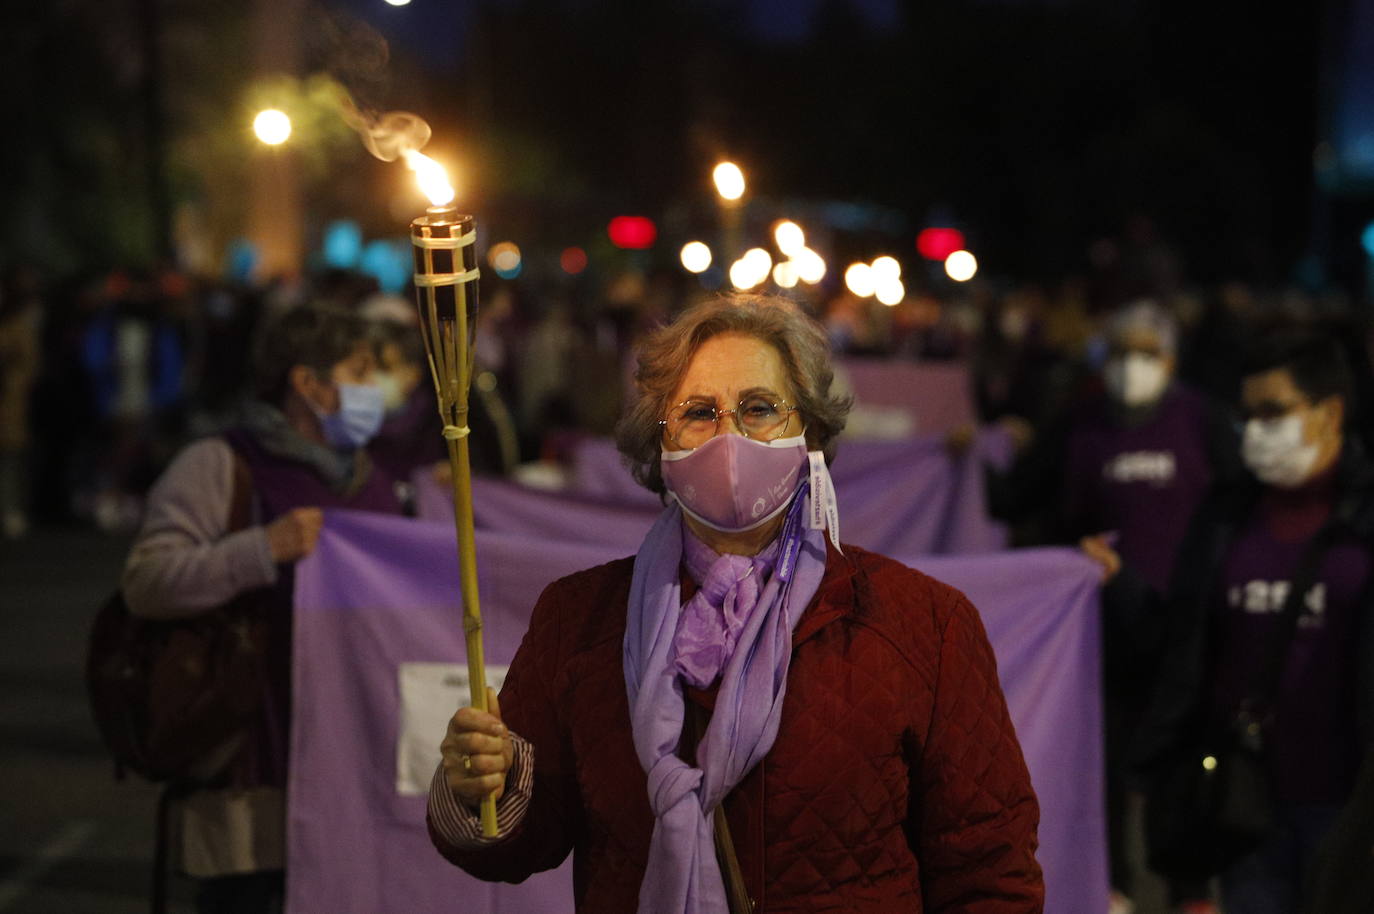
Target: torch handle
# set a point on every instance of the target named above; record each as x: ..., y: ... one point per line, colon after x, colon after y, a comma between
x: 461, y: 465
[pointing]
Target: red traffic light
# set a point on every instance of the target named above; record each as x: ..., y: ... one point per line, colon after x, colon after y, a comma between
x: 939, y: 243
x: 634, y: 233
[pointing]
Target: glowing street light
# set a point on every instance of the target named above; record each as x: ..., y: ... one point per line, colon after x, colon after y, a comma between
x: 729, y: 181
x: 859, y: 279
x: 398, y: 2
x: 890, y: 291
x: 785, y: 274
x: 743, y: 275
x: 790, y: 238
x: 272, y: 127
x: 810, y: 266
x: 696, y: 257
x: 886, y: 268
x: 961, y: 266
x: 760, y: 261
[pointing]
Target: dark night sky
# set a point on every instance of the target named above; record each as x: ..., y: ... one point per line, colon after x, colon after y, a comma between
x: 1038, y: 125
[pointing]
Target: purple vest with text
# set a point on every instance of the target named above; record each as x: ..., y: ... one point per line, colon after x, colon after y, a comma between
x: 279, y: 485
x: 1143, y: 481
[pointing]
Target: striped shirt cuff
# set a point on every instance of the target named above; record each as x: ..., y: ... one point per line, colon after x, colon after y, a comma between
x: 461, y: 826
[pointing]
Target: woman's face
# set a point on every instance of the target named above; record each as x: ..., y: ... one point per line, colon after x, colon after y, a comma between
x: 356, y: 368
x: 729, y: 367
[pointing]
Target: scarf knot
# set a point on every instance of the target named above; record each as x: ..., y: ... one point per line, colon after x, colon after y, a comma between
x: 710, y: 624
x: 671, y: 780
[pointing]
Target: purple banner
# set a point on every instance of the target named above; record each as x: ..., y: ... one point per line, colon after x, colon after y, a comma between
x: 908, y: 497
x: 379, y: 669
x: 935, y: 396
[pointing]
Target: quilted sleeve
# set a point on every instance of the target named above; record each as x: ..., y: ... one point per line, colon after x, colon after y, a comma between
x: 976, y: 814
x: 545, y: 834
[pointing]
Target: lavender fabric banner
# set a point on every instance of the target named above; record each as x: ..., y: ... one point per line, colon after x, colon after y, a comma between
x: 379, y: 669
x: 908, y: 497
x: 937, y: 396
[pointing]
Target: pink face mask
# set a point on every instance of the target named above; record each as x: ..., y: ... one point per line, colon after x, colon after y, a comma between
x: 732, y: 483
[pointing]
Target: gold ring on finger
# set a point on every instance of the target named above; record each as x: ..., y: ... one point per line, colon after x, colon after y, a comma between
x: 467, y: 764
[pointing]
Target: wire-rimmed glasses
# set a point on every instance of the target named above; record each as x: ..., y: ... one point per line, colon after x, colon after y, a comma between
x: 762, y: 417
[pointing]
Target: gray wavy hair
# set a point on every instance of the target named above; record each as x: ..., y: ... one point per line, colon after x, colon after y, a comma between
x: 665, y: 354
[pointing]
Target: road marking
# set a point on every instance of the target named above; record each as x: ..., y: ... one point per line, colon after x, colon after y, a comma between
x: 63, y: 845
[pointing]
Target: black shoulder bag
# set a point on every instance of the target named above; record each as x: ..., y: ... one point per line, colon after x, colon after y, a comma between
x: 171, y: 697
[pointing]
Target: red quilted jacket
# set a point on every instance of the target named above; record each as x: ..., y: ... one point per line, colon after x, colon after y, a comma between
x: 895, y: 784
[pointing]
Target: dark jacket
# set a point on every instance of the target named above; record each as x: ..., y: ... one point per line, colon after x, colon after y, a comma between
x: 896, y: 782
x: 1187, y: 625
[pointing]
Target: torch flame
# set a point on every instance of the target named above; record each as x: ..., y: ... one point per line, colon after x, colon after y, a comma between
x: 431, y: 176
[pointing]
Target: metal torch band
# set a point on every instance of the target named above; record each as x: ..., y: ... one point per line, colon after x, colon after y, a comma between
x: 431, y: 280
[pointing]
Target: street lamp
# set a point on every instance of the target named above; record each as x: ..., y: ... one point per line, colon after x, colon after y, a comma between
x: 961, y: 266
x: 729, y: 181
x: 730, y: 186
x: 859, y: 279
x: 790, y: 238
x: 696, y: 256
x: 272, y: 127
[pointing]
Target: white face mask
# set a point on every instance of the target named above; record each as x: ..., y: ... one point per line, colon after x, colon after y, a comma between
x: 1136, y: 379
x: 392, y: 394
x: 1274, y: 451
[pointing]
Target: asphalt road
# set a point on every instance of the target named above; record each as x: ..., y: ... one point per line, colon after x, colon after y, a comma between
x: 73, y: 840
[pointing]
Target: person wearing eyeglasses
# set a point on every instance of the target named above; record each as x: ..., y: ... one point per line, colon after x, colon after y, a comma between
x: 1306, y: 510
x: 747, y: 715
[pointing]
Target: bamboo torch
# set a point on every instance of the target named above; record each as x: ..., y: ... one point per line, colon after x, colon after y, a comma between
x: 446, y: 295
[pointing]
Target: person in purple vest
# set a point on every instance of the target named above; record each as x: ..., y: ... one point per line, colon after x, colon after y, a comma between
x: 1138, y: 461
x: 1314, y: 716
x: 301, y: 443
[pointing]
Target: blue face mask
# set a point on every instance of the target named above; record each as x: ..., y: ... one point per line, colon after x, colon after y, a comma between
x: 361, y: 410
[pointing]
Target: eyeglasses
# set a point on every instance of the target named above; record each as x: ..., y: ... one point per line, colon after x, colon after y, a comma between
x: 1269, y: 410
x: 692, y: 423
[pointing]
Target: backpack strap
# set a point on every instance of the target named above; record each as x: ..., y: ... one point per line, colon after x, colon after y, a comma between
x: 242, y: 497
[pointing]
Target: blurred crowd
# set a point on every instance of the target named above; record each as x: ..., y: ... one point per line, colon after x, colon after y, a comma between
x: 104, y: 377
x: 1127, y: 392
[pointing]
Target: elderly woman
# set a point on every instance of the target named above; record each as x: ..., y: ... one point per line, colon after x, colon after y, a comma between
x: 747, y: 715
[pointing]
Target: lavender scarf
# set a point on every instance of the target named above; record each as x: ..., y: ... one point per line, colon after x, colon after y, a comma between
x: 682, y: 873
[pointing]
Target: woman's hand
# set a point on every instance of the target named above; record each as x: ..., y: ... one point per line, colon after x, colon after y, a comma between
x: 293, y: 535
x: 1099, y: 549
x: 477, y: 753
x: 959, y: 439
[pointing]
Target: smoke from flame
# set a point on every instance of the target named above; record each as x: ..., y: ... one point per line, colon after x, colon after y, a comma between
x: 387, y: 136
x: 400, y: 135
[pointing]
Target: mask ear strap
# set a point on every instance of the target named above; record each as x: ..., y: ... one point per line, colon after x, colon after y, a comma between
x: 823, y: 509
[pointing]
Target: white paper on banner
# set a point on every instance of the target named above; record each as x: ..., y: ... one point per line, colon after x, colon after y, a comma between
x: 430, y: 693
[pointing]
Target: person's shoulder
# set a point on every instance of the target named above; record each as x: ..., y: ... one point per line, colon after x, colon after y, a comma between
x: 611, y: 575
x: 902, y: 600
x: 205, y: 459
x: 588, y: 606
